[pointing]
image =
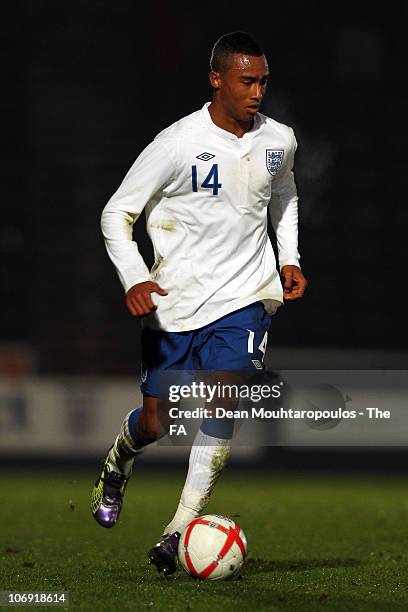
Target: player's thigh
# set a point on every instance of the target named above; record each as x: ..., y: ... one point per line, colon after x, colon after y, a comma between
x: 239, y: 340
x: 166, y: 356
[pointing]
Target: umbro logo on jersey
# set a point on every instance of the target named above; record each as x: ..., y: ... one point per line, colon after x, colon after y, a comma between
x: 257, y: 364
x: 274, y: 158
x: 205, y: 156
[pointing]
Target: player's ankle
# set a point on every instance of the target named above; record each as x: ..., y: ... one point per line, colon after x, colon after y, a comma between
x: 118, y: 464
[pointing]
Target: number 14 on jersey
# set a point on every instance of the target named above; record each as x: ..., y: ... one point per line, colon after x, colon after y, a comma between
x: 210, y: 181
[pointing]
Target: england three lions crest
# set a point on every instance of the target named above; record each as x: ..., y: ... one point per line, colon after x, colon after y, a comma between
x: 274, y: 158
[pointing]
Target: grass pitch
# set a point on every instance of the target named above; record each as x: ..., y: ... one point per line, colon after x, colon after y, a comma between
x: 314, y: 544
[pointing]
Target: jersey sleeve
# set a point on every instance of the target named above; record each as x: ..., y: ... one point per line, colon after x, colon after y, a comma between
x: 152, y: 171
x: 283, y: 210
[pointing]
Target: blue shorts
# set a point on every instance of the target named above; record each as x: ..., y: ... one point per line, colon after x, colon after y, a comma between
x: 236, y: 341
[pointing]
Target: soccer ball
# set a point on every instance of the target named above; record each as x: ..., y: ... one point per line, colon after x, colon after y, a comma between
x: 212, y: 547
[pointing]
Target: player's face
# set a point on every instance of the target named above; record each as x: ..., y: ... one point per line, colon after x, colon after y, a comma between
x: 242, y: 85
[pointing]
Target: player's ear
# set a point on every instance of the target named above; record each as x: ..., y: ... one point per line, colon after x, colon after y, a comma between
x: 215, y: 79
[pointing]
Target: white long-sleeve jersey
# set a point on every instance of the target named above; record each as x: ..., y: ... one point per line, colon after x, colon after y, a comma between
x: 206, y: 194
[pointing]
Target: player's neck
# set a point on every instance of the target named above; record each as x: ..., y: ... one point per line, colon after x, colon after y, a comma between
x: 224, y: 121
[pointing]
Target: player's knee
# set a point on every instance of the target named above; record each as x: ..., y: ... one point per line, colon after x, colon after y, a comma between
x: 154, y: 420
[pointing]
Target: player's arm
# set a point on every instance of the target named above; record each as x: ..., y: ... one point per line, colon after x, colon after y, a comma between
x: 151, y: 172
x: 283, y: 210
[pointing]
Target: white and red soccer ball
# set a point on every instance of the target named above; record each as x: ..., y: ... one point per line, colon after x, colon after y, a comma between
x: 212, y: 547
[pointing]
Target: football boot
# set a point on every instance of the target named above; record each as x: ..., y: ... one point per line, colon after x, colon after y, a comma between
x: 164, y: 554
x: 107, y: 495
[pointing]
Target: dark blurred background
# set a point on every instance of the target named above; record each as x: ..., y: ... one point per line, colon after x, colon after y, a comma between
x: 87, y: 85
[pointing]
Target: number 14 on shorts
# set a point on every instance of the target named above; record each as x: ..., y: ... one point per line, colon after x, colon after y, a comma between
x: 261, y: 347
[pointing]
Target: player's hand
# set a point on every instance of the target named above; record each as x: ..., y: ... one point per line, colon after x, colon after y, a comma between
x: 139, y: 299
x: 294, y: 282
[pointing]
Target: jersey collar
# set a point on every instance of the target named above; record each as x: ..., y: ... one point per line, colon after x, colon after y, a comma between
x: 224, y: 133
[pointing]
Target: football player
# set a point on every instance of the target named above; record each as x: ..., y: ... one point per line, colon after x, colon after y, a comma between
x: 206, y: 183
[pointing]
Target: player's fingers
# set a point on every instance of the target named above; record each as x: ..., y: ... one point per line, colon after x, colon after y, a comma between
x: 288, y: 282
x: 301, y: 285
x: 298, y: 277
x: 143, y: 302
x: 301, y: 289
x: 138, y: 310
x: 143, y: 311
x: 130, y: 306
x: 295, y: 294
x: 159, y: 290
x: 149, y: 302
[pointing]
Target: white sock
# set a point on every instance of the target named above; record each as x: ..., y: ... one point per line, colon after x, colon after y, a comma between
x: 123, y: 452
x: 208, y: 457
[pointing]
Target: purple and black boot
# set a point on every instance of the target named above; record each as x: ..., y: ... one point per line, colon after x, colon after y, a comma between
x: 107, y: 495
x: 164, y: 554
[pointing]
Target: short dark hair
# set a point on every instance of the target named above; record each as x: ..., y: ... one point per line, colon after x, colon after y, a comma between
x: 234, y: 42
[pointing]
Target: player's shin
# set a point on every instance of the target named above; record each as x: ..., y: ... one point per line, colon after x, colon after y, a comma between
x: 208, y: 457
x: 140, y: 427
x: 127, y: 445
